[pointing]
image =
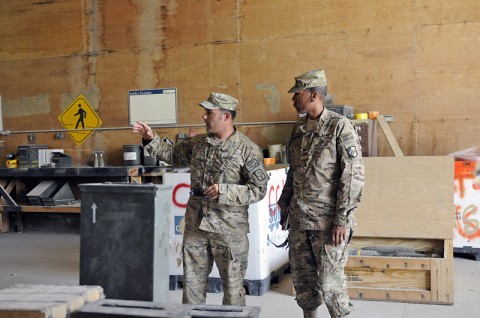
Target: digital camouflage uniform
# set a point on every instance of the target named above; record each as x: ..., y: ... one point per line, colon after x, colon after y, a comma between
x: 216, y: 230
x: 323, y: 187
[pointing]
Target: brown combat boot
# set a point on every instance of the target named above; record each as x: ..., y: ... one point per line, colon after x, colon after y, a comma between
x: 310, y: 313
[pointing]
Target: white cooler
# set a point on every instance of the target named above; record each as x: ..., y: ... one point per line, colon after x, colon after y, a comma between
x: 266, y: 263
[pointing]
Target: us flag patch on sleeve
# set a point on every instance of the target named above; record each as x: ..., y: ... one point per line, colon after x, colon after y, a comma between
x: 352, y: 152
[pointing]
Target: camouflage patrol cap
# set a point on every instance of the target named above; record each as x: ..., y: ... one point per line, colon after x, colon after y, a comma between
x: 219, y: 100
x: 315, y: 78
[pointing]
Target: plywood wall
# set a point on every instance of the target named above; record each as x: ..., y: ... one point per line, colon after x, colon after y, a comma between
x: 415, y: 60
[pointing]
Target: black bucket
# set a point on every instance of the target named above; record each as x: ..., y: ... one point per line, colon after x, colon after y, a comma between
x: 132, y: 155
x: 149, y: 161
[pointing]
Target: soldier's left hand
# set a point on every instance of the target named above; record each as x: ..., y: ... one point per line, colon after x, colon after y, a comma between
x: 339, y: 234
x: 212, y: 192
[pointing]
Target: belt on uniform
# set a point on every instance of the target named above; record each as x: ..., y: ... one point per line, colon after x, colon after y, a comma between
x: 197, y: 192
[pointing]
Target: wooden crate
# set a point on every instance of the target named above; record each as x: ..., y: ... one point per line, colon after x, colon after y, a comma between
x: 408, y: 202
x: 409, y: 279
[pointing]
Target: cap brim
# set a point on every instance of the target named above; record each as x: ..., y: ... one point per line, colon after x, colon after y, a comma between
x: 295, y: 89
x: 207, y: 105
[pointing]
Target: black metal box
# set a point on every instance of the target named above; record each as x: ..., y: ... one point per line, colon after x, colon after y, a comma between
x: 44, y: 190
x: 28, y: 155
x: 124, y: 239
x: 61, y: 160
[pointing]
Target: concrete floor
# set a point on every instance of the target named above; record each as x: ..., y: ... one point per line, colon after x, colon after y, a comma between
x: 46, y: 258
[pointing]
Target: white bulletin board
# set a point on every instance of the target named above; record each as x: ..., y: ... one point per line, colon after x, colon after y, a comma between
x: 154, y: 106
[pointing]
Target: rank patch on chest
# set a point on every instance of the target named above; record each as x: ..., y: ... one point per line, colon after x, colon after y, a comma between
x: 352, y: 152
x: 252, y: 164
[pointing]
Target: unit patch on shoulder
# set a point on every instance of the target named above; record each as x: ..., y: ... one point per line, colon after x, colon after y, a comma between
x: 260, y: 175
x: 352, y: 152
x: 252, y: 164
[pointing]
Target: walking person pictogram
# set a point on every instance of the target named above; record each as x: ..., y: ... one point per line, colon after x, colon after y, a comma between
x: 81, y: 115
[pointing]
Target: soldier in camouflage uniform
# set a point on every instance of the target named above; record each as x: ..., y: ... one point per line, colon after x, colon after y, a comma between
x: 227, y: 174
x: 323, y: 188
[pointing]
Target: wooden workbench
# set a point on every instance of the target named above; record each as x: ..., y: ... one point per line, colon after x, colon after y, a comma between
x: 17, y: 182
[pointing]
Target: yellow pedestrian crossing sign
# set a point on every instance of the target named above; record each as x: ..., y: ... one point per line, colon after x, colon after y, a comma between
x: 80, y: 119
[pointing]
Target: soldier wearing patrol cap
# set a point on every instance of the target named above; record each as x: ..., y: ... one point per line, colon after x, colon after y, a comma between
x: 323, y: 188
x: 227, y: 174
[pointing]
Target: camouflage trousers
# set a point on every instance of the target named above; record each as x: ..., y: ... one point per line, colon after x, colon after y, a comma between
x: 318, y: 271
x: 230, y: 254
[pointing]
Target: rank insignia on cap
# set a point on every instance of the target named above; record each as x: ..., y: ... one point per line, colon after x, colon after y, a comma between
x: 352, y: 152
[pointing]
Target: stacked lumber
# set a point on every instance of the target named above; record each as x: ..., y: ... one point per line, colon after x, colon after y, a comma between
x: 46, y: 301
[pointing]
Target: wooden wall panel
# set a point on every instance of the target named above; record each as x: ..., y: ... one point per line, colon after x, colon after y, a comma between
x: 32, y: 93
x: 196, y: 72
x: 430, y: 12
x: 35, y: 30
x: 448, y: 71
x: 407, y: 197
x: 415, y: 60
x: 191, y: 23
x: 118, y: 30
x: 378, y: 73
x: 268, y: 71
x: 447, y: 136
x: 264, y: 19
x: 115, y: 74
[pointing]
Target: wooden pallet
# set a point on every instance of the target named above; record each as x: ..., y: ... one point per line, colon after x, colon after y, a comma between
x: 46, y: 301
x: 406, y: 279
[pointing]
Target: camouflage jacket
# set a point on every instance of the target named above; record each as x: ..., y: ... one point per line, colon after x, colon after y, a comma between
x: 236, y: 165
x: 325, y: 181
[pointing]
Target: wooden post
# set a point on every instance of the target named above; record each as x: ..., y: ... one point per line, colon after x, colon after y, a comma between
x: 390, y: 138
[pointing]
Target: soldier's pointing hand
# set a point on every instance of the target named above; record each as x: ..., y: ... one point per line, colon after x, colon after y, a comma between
x: 144, y: 130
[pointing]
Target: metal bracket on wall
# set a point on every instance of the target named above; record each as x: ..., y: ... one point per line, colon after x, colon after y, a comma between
x: 32, y: 138
x: 390, y: 137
